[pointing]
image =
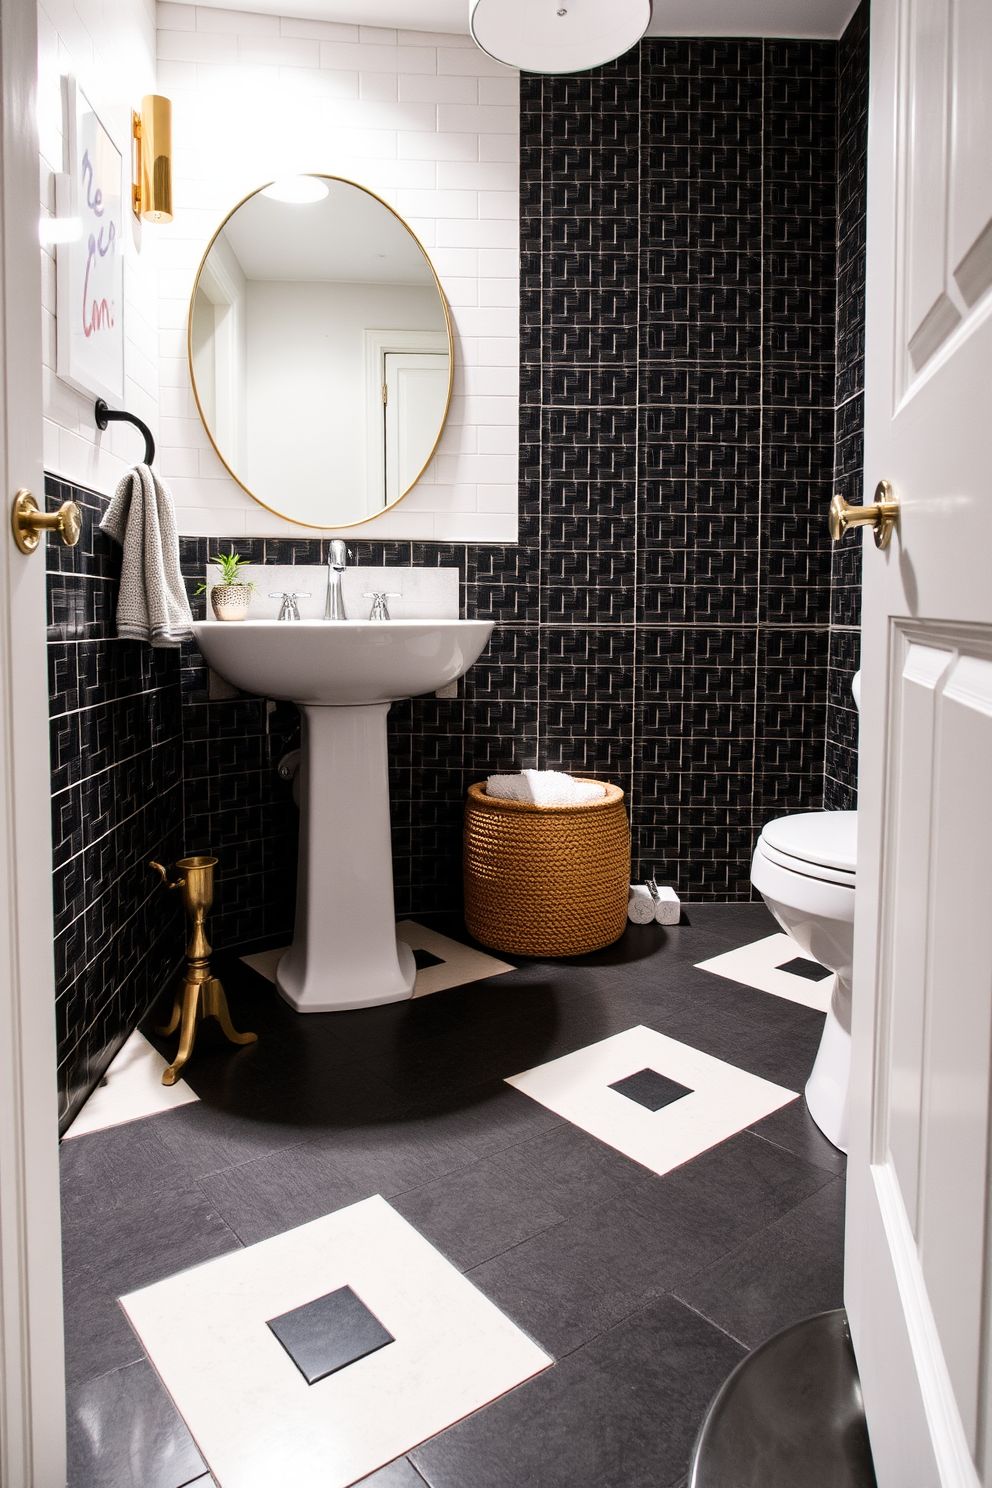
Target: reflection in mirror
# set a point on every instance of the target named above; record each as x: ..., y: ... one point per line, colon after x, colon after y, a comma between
x: 320, y: 352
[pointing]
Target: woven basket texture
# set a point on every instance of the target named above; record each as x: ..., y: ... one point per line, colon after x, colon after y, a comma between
x: 546, y: 880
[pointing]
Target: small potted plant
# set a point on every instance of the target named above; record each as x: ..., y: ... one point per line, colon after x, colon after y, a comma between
x: 230, y: 594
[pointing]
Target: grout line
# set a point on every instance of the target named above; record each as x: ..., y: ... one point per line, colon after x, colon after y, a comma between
x: 761, y: 455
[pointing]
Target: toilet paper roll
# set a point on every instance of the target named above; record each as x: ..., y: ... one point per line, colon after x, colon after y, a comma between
x: 667, y: 909
x: 640, y: 906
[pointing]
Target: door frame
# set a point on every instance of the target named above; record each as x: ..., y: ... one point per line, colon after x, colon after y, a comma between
x: 32, y: 1374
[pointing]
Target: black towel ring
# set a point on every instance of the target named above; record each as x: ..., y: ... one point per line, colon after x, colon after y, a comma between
x: 104, y: 415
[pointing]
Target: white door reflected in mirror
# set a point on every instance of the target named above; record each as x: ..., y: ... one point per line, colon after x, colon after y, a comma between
x: 320, y: 351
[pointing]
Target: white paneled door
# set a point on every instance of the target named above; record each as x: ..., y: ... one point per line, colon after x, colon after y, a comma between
x: 919, y: 1264
x: 32, y: 1385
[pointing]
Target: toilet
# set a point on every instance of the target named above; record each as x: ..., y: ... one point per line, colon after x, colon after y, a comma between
x: 804, y: 869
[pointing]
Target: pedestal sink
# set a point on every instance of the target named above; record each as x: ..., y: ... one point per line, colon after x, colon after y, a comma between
x: 343, y: 675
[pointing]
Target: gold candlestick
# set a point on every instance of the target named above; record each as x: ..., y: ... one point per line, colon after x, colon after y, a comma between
x: 201, y: 995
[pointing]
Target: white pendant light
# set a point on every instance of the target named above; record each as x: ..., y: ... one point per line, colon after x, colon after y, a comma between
x: 557, y: 35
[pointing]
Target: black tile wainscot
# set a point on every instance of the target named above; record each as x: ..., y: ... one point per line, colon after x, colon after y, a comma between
x: 841, y: 764
x: 116, y: 742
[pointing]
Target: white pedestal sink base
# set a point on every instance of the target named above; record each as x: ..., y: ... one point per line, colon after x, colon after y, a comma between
x: 345, y: 953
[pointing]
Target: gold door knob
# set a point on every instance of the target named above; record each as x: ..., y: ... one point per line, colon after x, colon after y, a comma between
x: 29, y: 521
x: 881, y: 516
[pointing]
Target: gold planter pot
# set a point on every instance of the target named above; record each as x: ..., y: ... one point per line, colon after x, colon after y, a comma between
x: 201, y: 994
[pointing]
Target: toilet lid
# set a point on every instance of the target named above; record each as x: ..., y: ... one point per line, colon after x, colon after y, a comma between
x: 828, y: 839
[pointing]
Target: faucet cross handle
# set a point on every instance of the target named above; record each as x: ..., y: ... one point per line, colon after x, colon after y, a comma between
x: 289, y: 609
x: 380, y: 610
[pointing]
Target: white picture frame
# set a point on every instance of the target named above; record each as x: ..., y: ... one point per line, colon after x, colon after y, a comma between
x: 90, y: 269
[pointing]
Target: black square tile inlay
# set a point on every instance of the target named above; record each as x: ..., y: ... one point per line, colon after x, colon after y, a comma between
x: 650, y: 1089
x: 324, y: 1335
x: 426, y: 958
x: 800, y: 966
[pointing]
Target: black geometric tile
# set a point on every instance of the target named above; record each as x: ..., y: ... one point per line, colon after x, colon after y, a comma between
x: 650, y: 1089
x: 800, y: 966
x: 329, y: 1333
x: 423, y: 959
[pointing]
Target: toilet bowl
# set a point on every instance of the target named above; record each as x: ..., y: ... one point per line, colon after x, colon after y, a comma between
x: 804, y: 869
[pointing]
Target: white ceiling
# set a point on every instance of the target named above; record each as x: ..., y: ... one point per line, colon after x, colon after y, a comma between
x: 349, y: 236
x: 825, y: 18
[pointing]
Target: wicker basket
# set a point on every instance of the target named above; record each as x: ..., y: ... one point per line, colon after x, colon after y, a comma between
x: 546, y: 880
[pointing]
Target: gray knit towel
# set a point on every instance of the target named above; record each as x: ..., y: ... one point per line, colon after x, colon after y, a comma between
x: 152, y: 604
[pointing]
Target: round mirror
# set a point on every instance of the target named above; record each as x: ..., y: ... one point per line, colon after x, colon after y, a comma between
x: 320, y: 351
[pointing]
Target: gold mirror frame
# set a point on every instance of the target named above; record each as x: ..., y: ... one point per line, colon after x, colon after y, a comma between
x: 325, y: 526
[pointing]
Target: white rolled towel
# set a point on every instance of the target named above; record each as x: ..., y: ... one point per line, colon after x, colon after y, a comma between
x: 643, y: 907
x: 544, y: 788
x: 667, y: 908
x: 640, y: 905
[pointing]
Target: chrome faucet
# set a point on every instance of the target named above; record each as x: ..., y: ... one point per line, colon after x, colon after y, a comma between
x: 289, y: 609
x: 380, y: 610
x: 337, y: 562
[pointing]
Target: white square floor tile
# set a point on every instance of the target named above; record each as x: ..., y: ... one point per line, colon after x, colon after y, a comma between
x: 252, y: 1414
x: 133, y: 1088
x: 723, y: 1099
x: 757, y: 965
x: 460, y: 964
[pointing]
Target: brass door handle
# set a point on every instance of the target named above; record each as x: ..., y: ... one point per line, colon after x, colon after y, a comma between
x: 29, y: 521
x: 881, y: 516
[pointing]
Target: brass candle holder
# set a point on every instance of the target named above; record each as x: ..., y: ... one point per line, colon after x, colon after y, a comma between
x: 201, y: 994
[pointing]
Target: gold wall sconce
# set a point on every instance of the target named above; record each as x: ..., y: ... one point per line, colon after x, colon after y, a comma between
x: 151, y: 193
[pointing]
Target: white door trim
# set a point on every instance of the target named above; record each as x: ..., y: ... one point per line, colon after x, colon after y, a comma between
x: 32, y: 1388
x: 377, y: 344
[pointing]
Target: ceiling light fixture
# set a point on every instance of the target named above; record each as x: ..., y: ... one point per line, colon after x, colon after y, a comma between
x: 296, y: 189
x: 557, y: 35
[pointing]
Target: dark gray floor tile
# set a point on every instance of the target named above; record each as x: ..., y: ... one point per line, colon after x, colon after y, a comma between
x: 117, y: 1250
x: 278, y: 1192
x: 398, y: 1474
x: 622, y: 1412
x: 125, y: 1432
x: 785, y: 1053
x: 203, y: 1139
x: 121, y: 1164
x: 475, y: 1214
x: 570, y: 1282
x: 793, y: 1128
x: 109, y: 1252
x: 98, y: 1336
x: 573, y: 1170
x: 790, y: 1270
x: 293, y: 1186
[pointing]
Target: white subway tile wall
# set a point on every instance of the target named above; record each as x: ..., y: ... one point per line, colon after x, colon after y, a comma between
x: 110, y: 51
x: 428, y: 123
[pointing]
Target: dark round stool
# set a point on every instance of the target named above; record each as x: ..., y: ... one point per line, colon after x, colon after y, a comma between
x: 790, y: 1415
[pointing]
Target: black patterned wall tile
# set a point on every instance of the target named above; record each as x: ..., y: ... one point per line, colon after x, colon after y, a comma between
x: 784, y: 793
x: 689, y: 605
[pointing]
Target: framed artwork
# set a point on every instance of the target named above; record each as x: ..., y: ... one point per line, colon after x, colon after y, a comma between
x: 90, y: 269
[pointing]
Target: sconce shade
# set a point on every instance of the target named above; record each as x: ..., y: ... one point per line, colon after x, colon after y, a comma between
x: 152, y: 194
x: 553, y: 36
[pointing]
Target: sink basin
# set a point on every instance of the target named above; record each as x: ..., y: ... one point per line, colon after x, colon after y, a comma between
x: 343, y: 674
x: 341, y: 663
